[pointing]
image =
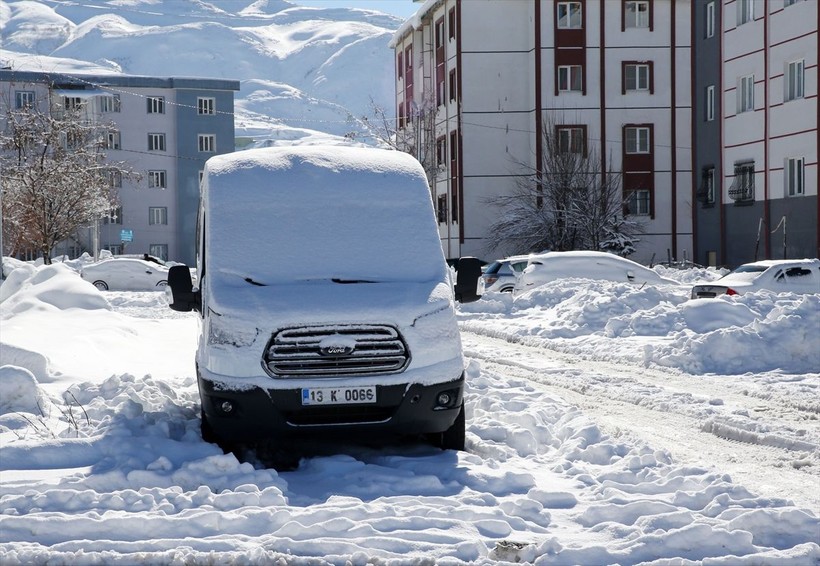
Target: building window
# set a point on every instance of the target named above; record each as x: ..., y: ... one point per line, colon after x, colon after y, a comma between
x: 110, y: 103
x: 440, y: 33
x: 569, y: 15
x: 636, y: 14
x: 158, y: 215
x: 159, y: 250
x: 710, y: 103
x: 453, y: 85
x: 442, y: 208
x: 745, y: 11
x: 746, y: 94
x: 112, y: 140
x: 743, y: 186
x: 205, y: 106
x: 156, y: 142
x: 157, y: 179
x: 637, y: 139
x: 795, y: 176
x: 23, y: 99
x: 706, y: 192
x: 787, y: 3
x: 115, y: 249
x: 637, y: 76
x: 710, y: 19
x: 795, y: 73
x: 156, y: 104
x: 114, y: 178
x: 570, y: 78
x: 571, y: 139
x: 399, y: 66
x: 72, y: 103
x: 637, y: 203
x: 207, y: 143
x: 451, y: 21
x: 441, y: 152
x: 114, y: 216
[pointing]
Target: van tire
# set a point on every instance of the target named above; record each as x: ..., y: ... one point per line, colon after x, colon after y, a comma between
x: 453, y: 438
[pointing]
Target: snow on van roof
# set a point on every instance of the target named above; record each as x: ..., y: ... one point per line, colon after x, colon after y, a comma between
x: 315, y: 212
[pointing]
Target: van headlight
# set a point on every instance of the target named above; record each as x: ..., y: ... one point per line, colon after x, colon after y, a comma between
x: 222, y: 333
x: 436, y: 322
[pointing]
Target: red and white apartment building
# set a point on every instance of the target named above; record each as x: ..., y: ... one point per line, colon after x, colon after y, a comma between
x: 627, y: 78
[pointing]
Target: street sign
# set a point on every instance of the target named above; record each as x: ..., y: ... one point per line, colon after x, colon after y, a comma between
x: 127, y: 235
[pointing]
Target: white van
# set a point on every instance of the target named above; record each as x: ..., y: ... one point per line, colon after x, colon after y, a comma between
x: 326, y: 301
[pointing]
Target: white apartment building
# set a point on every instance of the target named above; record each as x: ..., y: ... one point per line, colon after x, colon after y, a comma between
x: 758, y: 117
x: 164, y: 128
x: 609, y: 74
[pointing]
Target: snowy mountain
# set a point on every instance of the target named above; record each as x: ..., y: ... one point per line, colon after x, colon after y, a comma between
x: 303, y: 70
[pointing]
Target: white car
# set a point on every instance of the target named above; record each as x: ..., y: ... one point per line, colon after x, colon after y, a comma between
x: 780, y: 276
x: 126, y: 274
x: 501, y: 274
x: 552, y: 266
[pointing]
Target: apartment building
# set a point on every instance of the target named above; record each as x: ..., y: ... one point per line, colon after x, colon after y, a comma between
x: 164, y: 128
x: 609, y: 74
x: 756, y: 136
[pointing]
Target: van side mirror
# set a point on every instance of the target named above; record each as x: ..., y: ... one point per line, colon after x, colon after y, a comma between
x: 468, y: 270
x: 185, y: 299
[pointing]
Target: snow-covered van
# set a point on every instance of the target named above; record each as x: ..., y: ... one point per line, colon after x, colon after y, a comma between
x: 325, y: 299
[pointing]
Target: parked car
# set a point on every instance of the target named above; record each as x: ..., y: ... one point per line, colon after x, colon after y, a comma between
x: 126, y: 274
x: 501, y: 274
x: 544, y: 268
x: 780, y: 276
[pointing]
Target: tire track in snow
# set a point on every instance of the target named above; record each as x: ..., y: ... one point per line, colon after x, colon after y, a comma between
x: 700, y: 419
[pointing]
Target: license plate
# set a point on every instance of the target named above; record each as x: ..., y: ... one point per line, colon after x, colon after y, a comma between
x: 338, y: 395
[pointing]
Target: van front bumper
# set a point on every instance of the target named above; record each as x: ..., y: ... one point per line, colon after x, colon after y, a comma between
x: 274, y: 414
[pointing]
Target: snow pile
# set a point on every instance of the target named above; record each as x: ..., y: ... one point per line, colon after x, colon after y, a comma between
x: 659, y: 324
x: 104, y: 464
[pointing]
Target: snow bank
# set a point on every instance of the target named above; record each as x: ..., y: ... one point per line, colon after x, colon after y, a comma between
x: 756, y: 332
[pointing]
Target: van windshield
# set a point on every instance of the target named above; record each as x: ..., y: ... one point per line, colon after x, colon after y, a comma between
x: 352, y: 224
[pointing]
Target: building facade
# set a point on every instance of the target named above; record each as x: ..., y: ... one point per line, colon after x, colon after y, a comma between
x: 164, y: 128
x: 756, y: 109
x: 613, y: 75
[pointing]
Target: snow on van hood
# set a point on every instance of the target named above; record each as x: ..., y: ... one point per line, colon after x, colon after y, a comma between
x: 324, y: 302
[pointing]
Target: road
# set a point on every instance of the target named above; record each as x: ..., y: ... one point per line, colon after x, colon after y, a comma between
x: 762, y: 441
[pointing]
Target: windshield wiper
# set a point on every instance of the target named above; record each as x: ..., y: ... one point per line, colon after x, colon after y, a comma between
x: 350, y: 281
x: 253, y: 282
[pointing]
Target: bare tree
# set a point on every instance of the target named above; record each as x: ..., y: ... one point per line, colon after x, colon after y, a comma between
x: 571, y: 203
x: 55, y: 176
x: 416, y: 136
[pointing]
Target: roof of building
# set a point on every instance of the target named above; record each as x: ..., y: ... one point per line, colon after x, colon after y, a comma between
x: 76, y: 80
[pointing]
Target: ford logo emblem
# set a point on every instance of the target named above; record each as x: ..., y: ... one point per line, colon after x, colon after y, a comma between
x: 336, y: 350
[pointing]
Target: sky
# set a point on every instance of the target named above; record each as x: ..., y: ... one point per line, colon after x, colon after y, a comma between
x: 605, y: 424
x: 401, y: 8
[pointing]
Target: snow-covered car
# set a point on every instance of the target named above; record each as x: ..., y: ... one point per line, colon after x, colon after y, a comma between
x: 126, y: 274
x: 780, y: 276
x: 500, y: 275
x: 552, y: 266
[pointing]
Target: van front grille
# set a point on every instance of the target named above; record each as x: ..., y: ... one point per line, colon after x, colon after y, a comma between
x: 304, y: 351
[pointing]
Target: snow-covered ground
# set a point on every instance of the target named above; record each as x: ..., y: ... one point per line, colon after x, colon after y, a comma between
x: 607, y: 424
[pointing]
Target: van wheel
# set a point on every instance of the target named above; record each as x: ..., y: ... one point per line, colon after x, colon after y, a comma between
x: 454, y: 437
